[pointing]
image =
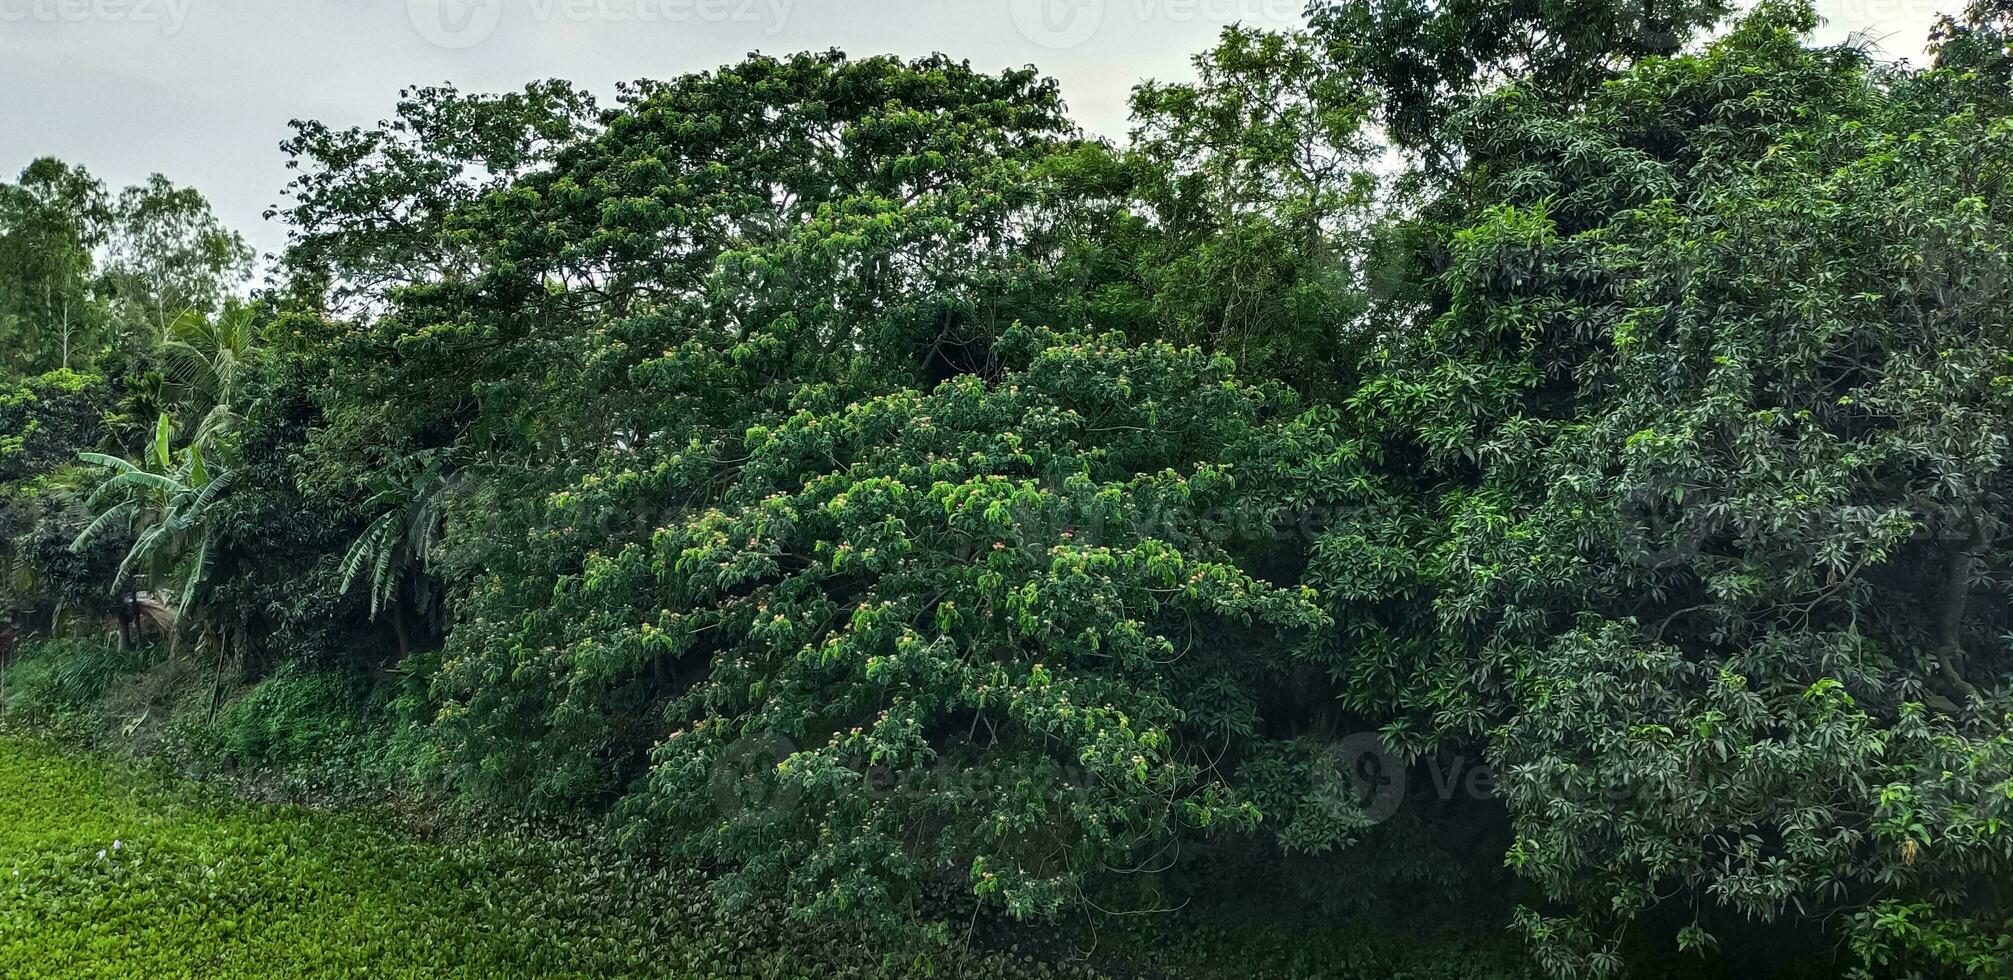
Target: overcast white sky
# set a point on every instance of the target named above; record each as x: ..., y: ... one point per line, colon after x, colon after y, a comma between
x: 201, y: 90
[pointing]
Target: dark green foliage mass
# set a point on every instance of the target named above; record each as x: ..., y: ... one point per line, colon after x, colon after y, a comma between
x: 1718, y: 561
x: 46, y: 418
x: 1540, y: 468
x: 1428, y: 60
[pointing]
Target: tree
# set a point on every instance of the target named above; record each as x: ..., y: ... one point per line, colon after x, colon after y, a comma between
x: 1430, y: 59
x: 1707, y: 416
x: 369, y: 209
x: 167, y: 502
x: 1257, y: 179
x: 51, y: 222
x: 850, y: 220
x: 204, y: 361
x: 45, y: 421
x: 164, y: 254
x: 169, y: 255
x: 1028, y: 602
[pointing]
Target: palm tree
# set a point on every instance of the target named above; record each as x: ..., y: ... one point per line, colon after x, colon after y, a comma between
x: 398, y: 545
x: 167, y: 500
x: 204, y: 360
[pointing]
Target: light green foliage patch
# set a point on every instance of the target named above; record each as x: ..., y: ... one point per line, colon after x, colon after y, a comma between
x: 110, y: 871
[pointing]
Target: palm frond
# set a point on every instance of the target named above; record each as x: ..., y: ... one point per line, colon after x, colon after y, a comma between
x: 89, y: 534
x: 166, y: 486
x: 207, y: 493
x: 110, y: 462
x: 382, y: 580
x: 195, y: 578
x: 144, y: 549
x: 368, y: 545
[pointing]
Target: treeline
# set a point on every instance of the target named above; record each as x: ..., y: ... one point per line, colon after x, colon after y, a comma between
x: 862, y: 483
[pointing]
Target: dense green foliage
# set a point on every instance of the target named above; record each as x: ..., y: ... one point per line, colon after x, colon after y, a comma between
x: 1723, y: 497
x: 1539, y: 465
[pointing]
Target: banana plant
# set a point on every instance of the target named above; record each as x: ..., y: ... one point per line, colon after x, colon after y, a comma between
x: 167, y: 500
x: 398, y: 545
x: 203, y: 360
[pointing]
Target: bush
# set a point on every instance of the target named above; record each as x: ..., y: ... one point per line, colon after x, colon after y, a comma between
x: 53, y: 679
x: 293, y: 715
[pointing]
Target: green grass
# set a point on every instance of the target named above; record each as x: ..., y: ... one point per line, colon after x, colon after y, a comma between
x: 107, y: 870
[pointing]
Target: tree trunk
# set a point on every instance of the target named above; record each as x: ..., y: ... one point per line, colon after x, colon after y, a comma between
x: 398, y: 630
x: 1956, y: 600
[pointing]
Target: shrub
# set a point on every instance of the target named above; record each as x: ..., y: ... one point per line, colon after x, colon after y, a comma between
x: 55, y: 678
x: 293, y: 715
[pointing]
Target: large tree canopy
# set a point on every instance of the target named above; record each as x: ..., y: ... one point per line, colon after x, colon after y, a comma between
x: 845, y: 475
